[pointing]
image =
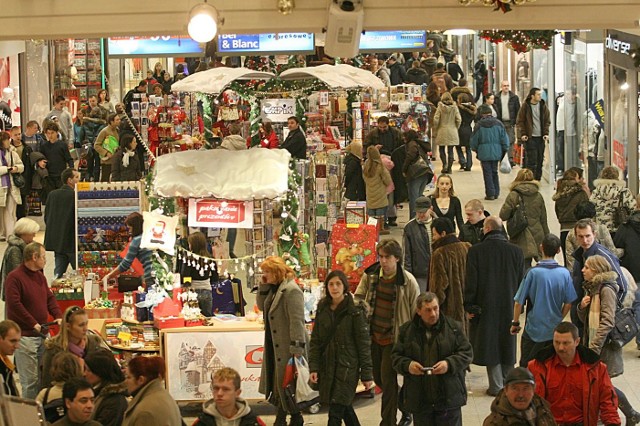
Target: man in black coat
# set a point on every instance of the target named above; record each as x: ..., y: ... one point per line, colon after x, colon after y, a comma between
x: 296, y: 141
x: 495, y: 268
x: 397, y: 75
x: 471, y: 231
x: 507, y: 105
x: 134, y: 94
x: 383, y: 137
x: 56, y: 152
x: 432, y: 353
x: 59, y: 217
x: 25, y: 155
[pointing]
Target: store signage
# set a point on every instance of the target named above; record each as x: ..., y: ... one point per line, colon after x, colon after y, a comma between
x: 240, y: 44
x: 277, y: 110
x: 617, y: 45
x: 161, y: 46
x: 597, y: 108
x: 393, y: 40
x: 214, y: 213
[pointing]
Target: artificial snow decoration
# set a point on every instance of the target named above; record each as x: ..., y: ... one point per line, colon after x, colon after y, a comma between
x: 216, y: 80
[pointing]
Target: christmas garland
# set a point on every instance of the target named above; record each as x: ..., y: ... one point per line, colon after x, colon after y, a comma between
x: 293, y: 245
x: 502, y: 5
x: 520, y: 40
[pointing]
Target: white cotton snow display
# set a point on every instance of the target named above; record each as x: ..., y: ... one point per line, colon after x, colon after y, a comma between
x: 341, y: 75
x: 216, y: 80
x: 253, y: 174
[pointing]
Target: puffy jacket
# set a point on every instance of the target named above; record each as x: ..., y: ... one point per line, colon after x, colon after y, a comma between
x: 235, y: 143
x: 446, y: 123
x: 529, y: 240
x: 413, y: 152
x: 628, y: 238
x: 376, y: 187
x: 245, y: 416
x: 397, y: 74
x: 344, y: 356
x: 431, y: 392
x: 110, y: 404
x: 503, y: 413
x: 606, y: 196
x: 12, y: 258
x: 524, y: 121
x: 353, y: 180
x: 567, y: 198
x: 472, y: 233
x: 417, y: 248
x: 598, y: 396
x: 417, y: 76
x: 489, y: 139
x: 513, y: 105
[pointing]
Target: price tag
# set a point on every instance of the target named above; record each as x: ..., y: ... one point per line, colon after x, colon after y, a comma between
x: 84, y: 186
x: 124, y: 336
x: 372, y: 221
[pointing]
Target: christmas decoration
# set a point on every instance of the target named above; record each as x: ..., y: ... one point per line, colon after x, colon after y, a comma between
x: 293, y: 245
x: 502, y: 5
x: 162, y: 271
x: 520, y: 40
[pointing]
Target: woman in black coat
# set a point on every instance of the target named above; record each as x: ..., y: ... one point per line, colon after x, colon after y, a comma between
x: 353, y: 180
x: 104, y: 374
x: 126, y: 166
x: 468, y: 113
x: 340, y: 351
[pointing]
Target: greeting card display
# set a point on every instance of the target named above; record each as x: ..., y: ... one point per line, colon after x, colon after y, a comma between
x: 353, y: 249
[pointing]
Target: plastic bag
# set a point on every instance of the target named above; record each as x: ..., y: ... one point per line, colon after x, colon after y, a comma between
x: 303, y: 389
x: 505, y: 165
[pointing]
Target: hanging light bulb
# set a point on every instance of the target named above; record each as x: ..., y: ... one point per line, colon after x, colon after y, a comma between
x: 203, y: 22
x: 286, y: 6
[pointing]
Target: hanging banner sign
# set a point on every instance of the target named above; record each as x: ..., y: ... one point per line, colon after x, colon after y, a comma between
x: 598, y: 111
x: 212, y: 213
x: 241, y: 44
x: 277, y: 110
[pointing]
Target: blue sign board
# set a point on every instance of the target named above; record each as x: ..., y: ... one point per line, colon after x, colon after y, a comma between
x: 242, y: 44
x: 158, y: 46
x: 379, y: 41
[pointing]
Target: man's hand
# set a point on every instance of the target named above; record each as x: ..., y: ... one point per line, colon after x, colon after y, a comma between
x: 37, y: 328
x: 441, y: 367
x: 524, y: 138
x: 368, y: 384
x: 59, y: 321
x: 514, y: 330
x: 313, y: 377
x: 545, y: 138
x: 378, y: 147
x: 415, y: 368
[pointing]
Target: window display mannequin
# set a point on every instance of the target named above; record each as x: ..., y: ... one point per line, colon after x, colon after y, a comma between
x: 5, y: 110
x: 523, y: 78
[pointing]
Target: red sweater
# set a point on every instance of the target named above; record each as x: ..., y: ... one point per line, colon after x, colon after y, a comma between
x: 29, y: 299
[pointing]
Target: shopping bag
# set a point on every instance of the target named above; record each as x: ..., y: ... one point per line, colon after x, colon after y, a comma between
x: 505, y: 165
x: 304, y: 392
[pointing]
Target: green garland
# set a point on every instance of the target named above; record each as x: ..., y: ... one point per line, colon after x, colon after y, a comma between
x: 207, y: 118
x: 167, y: 205
x: 162, y: 267
x: 520, y: 40
x: 292, y: 244
x: 352, y: 96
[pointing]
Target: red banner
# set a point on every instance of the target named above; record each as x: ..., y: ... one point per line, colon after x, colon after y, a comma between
x: 220, y: 213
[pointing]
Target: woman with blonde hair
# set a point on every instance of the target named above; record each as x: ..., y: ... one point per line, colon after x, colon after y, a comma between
x: 609, y: 192
x: 444, y: 201
x: 285, y: 336
x: 377, y: 180
x: 524, y: 189
x: 446, y: 122
x: 597, y: 310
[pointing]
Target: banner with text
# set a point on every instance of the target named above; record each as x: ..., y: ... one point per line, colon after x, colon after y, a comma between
x: 277, y: 110
x: 213, y: 213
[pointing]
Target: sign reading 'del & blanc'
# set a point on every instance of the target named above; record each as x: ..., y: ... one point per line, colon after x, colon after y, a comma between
x: 212, y: 213
x: 277, y: 110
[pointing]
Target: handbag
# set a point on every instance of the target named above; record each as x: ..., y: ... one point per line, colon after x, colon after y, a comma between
x: 420, y: 167
x: 626, y: 325
x: 518, y: 221
x: 621, y: 212
x: 18, y: 179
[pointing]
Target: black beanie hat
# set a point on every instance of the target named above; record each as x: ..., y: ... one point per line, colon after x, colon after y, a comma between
x: 104, y: 365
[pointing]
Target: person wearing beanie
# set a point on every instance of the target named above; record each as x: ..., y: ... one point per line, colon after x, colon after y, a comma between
x: 105, y: 376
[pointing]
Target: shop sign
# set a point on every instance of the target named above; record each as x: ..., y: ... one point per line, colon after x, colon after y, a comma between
x: 617, y: 45
x: 277, y: 110
x: 393, y: 40
x: 597, y: 108
x: 240, y: 44
x: 214, y: 213
x: 161, y: 45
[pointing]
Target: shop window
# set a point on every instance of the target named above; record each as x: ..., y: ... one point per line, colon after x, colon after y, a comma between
x: 619, y: 95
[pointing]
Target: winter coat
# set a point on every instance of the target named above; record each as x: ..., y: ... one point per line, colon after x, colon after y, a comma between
x: 433, y: 392
x: 489, y: 139
x: 27, y: 174
x: 480, y: 71
x: 152, y: 405
x: 285, y: 335
x: 120, y: 173
x: 606, y: 195
x: 456, y: 73
x: 397, y: 74
x: 467, y: 114
x: 495, y: 268
x: 59, y: 218
x: 417, y: 248
x: 110, y: 404
x: 383, y: 74
x: 581, y: 255
x: 628, y: 238
x: 472, y: 233
x: 296, y: 144
x: 211, y: 417
x: 373, y: 138
x: 52, y: 348
x: 407, y: 291
x: 503, y: 413
x: 106, y: 157
x: 456, y: 91
x: 602, y: 236
x: 610, y: 353
x: 446, y: 123
x: 447, y: 274
x: 234, y: 143
x: 513, y: 105
x: 524, y: 121
x: 417, y: 76
x: 353, y: 180
x: 567, y: 198
x: 376, y: 187
x: 415, y: 149
x: 344, y: 356
x: 12, y: 258
x: 530, y: 239
x: 598, y: 395
x: 13, y: 191
x: 9, y: 382
x: 401, y: 191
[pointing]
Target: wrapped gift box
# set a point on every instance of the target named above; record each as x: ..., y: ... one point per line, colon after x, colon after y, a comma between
x: 168, y: 322
x: 353, y: 249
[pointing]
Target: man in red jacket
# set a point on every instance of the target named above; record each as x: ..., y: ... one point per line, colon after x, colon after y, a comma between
x: 574, y: 381
x: 29, y: 301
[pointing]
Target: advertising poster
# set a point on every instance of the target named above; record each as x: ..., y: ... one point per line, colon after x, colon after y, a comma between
x: 214, y: 213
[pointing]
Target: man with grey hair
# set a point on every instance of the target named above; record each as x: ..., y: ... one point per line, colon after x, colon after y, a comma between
x: 433, y: 354
x: 495, y: 268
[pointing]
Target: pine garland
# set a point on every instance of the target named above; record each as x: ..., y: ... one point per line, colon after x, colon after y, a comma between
x: 293, y: 244
x: 520, y: 41
x: 207, y: 118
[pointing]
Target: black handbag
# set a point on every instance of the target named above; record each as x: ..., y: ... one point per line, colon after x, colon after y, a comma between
x: 621, y: 213
x: 128, y: 283
x: 18, y: 179
x: 626, y: 325
x: 420, y: 167
x: 518, y: 221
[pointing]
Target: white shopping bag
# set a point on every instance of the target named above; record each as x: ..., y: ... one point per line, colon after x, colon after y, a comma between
x: 303, y: 390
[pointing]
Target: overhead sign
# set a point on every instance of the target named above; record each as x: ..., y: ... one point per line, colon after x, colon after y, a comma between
x: 393, y: 40
x: 617, y: 45
x: 277, y: 110
x: 216, y: 213
x: 159, y: 46
x: 242, y: 44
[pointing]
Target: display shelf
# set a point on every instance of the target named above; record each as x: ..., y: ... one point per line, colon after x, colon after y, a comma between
x: 130, y: 349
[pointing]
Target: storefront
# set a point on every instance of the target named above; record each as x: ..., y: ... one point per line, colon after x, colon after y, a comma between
x: 622, y: 105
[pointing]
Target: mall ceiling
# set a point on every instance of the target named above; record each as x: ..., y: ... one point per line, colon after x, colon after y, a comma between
x: 48, y: 19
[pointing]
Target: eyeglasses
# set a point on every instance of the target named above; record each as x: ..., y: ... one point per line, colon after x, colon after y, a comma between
x: 71, y: 312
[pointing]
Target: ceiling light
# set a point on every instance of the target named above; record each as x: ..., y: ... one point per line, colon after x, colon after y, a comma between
x: 203, y: 22
x: 459, y: 32
x: 286, y: 6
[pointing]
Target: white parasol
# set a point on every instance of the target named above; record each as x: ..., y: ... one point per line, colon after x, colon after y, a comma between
x: 215, y: 80
x: 336, y: 76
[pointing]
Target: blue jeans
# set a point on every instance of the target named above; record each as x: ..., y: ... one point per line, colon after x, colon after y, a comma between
x: 416, y: 189
x: 491, y: 181
x: 497, y: 374
x: 636, y: 310
x: 27, y: 358
x: 62, y: 261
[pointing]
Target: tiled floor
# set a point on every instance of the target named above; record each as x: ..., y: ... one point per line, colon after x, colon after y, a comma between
x: 468, y: 185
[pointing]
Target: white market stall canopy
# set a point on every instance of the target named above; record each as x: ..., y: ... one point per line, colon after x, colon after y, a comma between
x: 216, y: 80
x: 253, y: 174
x: 336, y: 76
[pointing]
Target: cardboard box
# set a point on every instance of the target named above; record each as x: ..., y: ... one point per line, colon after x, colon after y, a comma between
x: 168, y: 322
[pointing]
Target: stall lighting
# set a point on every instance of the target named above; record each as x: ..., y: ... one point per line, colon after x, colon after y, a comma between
x: 624, y: 86
x: 459, y: 32
x: 203, y: 22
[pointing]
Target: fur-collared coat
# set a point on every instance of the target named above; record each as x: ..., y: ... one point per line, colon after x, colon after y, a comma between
x: 447, y: 276
x: 605, y: 197
x: 110, y: 404
x: 567, y: 198
x: 530, y: 239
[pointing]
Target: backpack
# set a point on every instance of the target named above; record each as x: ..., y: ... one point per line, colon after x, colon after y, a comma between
x: 53, y: 410
x: 518, y: 221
